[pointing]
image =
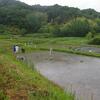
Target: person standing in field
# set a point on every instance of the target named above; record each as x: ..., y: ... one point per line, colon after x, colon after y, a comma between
x: 15, y: 48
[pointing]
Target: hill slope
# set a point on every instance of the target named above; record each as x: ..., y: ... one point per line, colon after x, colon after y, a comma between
x: 20, y: 18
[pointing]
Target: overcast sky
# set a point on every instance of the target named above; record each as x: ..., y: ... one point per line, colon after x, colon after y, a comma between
x: 82, y: 4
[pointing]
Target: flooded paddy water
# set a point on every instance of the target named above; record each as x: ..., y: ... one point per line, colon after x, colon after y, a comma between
x: 75, y: 73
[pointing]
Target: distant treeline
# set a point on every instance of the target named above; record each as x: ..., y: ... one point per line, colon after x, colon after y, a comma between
x: 19, y: 18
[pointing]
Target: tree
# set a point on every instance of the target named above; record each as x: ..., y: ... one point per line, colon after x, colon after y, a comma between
x: 35, y: 20
x: 76, y: 27
x: 56, y: 30
x: 97, y: 27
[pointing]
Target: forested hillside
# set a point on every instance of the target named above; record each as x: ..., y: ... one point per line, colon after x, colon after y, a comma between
x: 19, y: 18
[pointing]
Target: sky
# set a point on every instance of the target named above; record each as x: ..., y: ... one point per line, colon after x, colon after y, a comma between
x: 82, y: 4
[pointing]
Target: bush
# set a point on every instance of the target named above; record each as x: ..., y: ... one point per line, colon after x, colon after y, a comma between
x: 95, y: 41
x: 89, y: 35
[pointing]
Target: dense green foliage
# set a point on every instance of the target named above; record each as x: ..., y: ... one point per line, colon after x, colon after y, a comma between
x: 76, y: 27
x: 95, y: 41
x: 19, y: 18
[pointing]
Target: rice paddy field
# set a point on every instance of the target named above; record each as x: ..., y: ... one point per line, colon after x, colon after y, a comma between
x: 19, y: 80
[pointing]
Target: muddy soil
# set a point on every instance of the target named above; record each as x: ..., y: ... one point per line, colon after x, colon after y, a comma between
x: 75, y: 73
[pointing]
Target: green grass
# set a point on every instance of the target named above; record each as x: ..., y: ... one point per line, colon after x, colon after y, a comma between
x: 19, y: 81
x: 65, y: 44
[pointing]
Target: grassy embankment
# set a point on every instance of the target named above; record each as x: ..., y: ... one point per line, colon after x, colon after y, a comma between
x: 18, y: 81
x: 66, y: 44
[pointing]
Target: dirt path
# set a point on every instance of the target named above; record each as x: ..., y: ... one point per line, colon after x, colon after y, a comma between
x: 79, y: 74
